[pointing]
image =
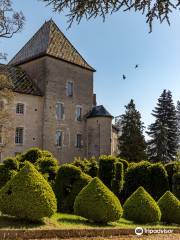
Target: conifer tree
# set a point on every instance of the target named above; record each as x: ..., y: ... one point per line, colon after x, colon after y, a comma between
x: 162, y: 146
x: 132, y: 144
x: 178, y: 123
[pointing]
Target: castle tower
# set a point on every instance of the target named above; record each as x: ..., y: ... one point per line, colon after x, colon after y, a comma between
x: 99, y: 132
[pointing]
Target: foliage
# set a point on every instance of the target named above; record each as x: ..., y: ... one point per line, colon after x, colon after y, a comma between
x: 11, y: 163
x: 69, y: 182
x: 27, y: 195
x: 162, y: 146
x: 118, y: 181
x: 176, y: 184
x: 88, y: 166
x: 170, y: 208
x: 172, y: 168
x: 137, y: 175
x: 31, y: 155
x: 5, y: 175
x: 124, y: 162
x: 46, y: 153
x: 158, y: 10
x: 131, y: 141
x: 97, y: 203
x: 140, y: 207
x: 158, y: 180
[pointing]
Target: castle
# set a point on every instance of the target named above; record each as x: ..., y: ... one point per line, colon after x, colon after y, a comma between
x: 54, y: 107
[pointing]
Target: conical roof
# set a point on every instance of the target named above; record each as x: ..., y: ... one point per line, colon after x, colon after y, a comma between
x: 49, y: 40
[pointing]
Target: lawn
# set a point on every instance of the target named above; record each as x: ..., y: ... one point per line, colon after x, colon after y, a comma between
x: 65, y: 221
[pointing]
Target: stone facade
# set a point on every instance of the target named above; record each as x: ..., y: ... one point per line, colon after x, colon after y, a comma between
x: 40, y: 122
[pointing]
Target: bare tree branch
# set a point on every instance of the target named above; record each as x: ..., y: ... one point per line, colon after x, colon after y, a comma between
x: 153, y: 9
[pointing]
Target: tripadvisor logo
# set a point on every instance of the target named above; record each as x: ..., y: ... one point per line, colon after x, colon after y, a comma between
x: 139, y: 231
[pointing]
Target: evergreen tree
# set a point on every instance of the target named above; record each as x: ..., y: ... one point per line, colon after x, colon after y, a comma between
x: 178, y: 123
x: 162, y: 145
x: 131, y: 142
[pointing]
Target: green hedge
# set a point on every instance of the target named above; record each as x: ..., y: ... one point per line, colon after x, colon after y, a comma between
x: 11, y: 163
x: 5, y: 175
x: 140, y: 207
x: 31, y: 155
x: 69, y: 182
x: 124, y: 162
x: 88, y: 166
x: 97, y: 203
x: 176, y: 184
x: 28, y: 195
x: 118, y: 181
x: 172, y: 168
x: 170, y: 208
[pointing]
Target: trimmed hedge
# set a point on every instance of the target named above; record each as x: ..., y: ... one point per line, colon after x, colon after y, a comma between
x: 5, y: 175
x: 97, y: 203
x: 69, y: 182
x: 28, y: 195
x: 32, y: 155
x: 124, y: 162
x: 118, y: 181
x: 172, y: 168
x: 140, y: 207
x: 170, y: 208
x: 88, y: 166
x: 158, y: 180
x: 11, y: 163
x: 176, y: 184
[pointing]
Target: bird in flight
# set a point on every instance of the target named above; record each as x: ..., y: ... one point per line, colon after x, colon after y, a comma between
x: 124, y: 77
x: 136, y: 66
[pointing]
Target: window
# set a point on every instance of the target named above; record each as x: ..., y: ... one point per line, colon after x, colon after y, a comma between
x: 60, y: 111
x: 1, y: 105
x: 78, y: 113
x: 20, y: 108
x: 79, y: 141
x: 1, y: 134
x: 19, y: 135
x: 69, y: 89
x: 59, y: 138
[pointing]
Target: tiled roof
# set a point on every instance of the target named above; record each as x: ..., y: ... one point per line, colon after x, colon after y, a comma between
x: 22, y: 83
x: 98, y: 111
x: 49, y: 40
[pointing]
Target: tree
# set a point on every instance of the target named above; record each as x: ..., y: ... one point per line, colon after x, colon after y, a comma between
x: 162, y: 146
x: 131, y: 142
x: 11, y: 22
x: 178, y: 122
x: 158, y: 9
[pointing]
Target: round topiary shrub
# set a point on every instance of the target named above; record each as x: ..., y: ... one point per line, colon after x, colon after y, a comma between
x: 11, y: 163
x: 69, y: 182
x: 32, y: 155
x: 97, y: 203
x: 140, y: 207
x: 170, y: 208
x: 28, y: 195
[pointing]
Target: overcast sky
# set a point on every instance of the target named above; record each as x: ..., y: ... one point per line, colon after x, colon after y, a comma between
x: 113, y: 48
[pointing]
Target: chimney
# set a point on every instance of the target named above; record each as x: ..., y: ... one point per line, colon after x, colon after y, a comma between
x: 94, y: 100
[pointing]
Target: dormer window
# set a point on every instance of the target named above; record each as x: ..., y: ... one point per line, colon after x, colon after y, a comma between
x: 20, y: 108
x: 69, y: 88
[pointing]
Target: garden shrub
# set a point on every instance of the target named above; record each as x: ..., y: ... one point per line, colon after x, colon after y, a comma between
x: 158, y: 181
x: 97, y: 203
x: 176, y: 184
x: 46, y: 153
x: 88, y: 166
x: 32, y: 155
x: 140, y: 207
x: 172, y: 168
x: 136, y: 175
x: 124, y: 162
x: 11, y: 163
x: 118, y: 181
x: 48, y: 166
x: 5, y: 175
x: 107, y: 170
x: 28, y: 195
x: 170, y: 208
x: 69, y: 182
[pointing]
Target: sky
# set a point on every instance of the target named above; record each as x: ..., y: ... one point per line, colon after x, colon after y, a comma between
x: 113, y: 48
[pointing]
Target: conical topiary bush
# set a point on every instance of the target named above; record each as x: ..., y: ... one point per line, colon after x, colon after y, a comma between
x: 28, y: 195
x: 140, y: 207
x: 97, y: 203
x: 170, y: 208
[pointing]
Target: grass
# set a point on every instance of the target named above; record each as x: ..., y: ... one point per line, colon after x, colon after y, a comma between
x: 67, y: 221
